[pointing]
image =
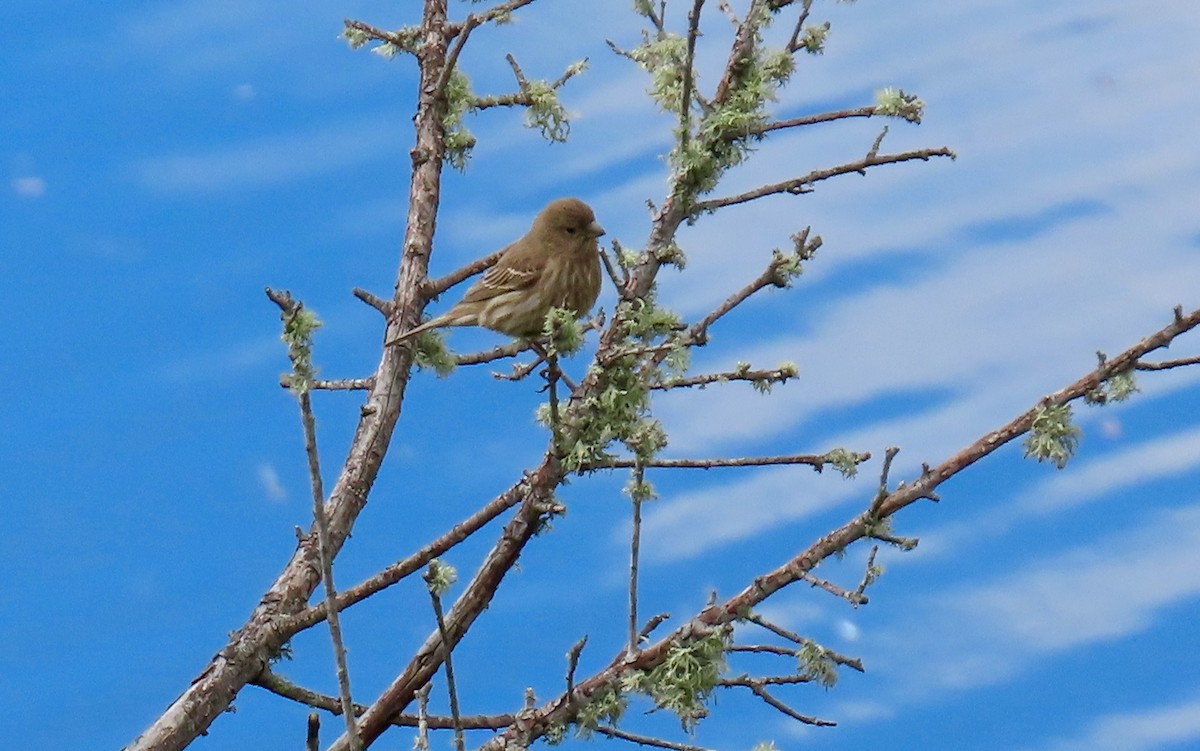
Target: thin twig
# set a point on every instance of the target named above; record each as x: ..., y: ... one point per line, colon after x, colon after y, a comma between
x: 775, y: 375
x: 572, y: 664
x: 619, y: 282
x: 502, y: 9
x: 451, y: 687
x: 796, y: 122
x: 512, y: 349
x: 302, y: 373
x: 376, y: 33
x: 337, y: 384
x: 689, y: 75
x: 835, y: 590
x: 771, y: 276
x: 646, y: 740
x: 772, y: 649
x: 434, y: 287
x: 794, y: 43
x: 799, y: 185
x: 552, y: 374
x: 840, y: 659
x: 422, y: 742
x: 520, y: 371
x: 652, y: 624
x: 524, y: 96
x: 413, y: 563
x: 282, y: 687
x: 635, y: 543
x: 378, y: 303
x: 312, y: 738
x: 869, y: 575
x: 744, y: 681
x: 464, y: 32
x: 1167, y: 364
x: 776, y: 629
x: 816, y: 461
x: 763, y: 694
x: 323, y: 546
x: 881, y: 494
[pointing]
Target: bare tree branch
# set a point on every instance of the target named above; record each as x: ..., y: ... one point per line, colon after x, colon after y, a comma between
x: 646, y: 740
x: 1167, y: 364
x: 817, y: 461
x: 250, y: 647
x: 299, y: 346
x: 800, y: 185
x: 824, y: 117
x: 312, y: 740
x: 772, y: 376
x: 448, y: 661
x: 721, y: 614
x: 413, y: 563
x: 763, y: 694
x: 435, y: 287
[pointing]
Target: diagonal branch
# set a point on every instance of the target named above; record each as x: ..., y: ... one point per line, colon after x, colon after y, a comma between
x: 796, y: 122
x: 251, y: 647
x: 537, y: 501
x: 816, y: 461
x: 719, y: 615
x: 435, y: 287
x: 772, y: 376
x: 413, y: 563
x: 763, y: 694
x: 1168, y: 364
x: 800, y: 185
x: 646, y: 740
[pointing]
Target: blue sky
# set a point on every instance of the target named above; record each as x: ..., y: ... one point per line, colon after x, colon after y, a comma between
x: 164, y: 162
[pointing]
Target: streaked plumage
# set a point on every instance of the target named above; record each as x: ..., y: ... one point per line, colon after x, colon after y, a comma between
x: 555, y: 265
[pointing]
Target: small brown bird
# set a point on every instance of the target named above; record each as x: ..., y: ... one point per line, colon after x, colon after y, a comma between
x: 555, y: 265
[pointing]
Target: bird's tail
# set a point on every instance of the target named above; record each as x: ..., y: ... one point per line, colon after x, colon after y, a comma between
x: 432, y: 323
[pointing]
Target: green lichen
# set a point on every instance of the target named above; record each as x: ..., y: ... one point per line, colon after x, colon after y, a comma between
x: 1052, y: 436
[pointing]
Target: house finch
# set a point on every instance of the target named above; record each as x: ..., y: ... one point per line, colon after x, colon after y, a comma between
x: 555, y: 265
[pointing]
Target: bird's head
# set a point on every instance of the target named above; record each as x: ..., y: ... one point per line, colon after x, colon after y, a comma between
x: 569, y: 222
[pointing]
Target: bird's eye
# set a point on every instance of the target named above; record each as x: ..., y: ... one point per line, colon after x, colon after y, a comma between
x: 570, y: 230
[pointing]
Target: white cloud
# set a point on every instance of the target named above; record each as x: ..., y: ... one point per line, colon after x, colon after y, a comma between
x: 226, y: 362
x: 1105, y: 477
x: 29, y: 186
x: 268, y: 480
x: 692, y: 523
x: 274, y: 160
x: 1104, y: 591
x: 1116, y: 471
x: 848, y: 630
x: 1146, y: 729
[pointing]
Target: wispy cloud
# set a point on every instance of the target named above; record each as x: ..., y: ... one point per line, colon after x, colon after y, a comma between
x: 273, y: 160
x: 1106, y: 590
x: 268, y: 480
x: 230, y: 361
x: 1104, y: 477
x: 29, y: 186
x: 693, y: 523
x: 1145, y: 729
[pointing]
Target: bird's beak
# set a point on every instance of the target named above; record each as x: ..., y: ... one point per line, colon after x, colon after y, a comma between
x: 595, y: 229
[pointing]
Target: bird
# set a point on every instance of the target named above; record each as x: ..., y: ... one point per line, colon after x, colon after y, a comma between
x: 556, y: 264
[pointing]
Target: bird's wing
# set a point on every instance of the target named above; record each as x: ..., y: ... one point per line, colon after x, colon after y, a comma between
x: 515, y: 271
